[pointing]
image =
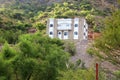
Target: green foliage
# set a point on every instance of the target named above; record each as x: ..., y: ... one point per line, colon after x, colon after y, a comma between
x: 90, y: 19
x: 40, y: 26
x: 90, y: 51
x: 96, y: 29
x: 34, y: 57
x: 26, y: 68
x: 5, y: 72
x: 9, y: 36
x: 7, y: 55
x: 111, y: 32
x: 70, y: 47
x: 7, y: 52
x: 94, y: 52
x: 19, y: 16
x: 78, y: 62
x: 79, y: 74
x: 117, y: 73
x: 109, y: 43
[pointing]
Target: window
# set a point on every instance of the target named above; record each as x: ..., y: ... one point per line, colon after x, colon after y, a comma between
x: 75, y: 33
x: 59, y: 33
x: 86, y: 30
x: 84, y: 33
x: 65, y: 33
x: 51, y: 33
x: 76, y: 25
x: 51, y: 25
x: 84, y: 26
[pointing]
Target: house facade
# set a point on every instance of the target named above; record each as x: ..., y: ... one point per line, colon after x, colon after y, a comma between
x: 68, y: 28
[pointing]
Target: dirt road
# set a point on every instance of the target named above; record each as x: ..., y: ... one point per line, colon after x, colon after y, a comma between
x: 81, y: 53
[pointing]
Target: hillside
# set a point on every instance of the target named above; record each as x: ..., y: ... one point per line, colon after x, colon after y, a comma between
x: 29, y: 11
x: 26, y: 55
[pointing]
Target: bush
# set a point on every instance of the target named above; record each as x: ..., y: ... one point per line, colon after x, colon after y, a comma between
x: 90, y: 51
x: 40, y: 26
x: 117, y: 73
x: 70, y: 47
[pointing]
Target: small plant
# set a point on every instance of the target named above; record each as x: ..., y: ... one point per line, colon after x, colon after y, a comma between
x: 78, y: 62
x: 70, y: 47
x: 117, y: 73
x: 90, y: 51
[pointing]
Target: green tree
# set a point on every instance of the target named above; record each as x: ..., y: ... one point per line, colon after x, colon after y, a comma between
x: 109, y: 42
x: 40, y: 26
x: 79, y: 74
x: 35, y: 57
x: 7, y: 55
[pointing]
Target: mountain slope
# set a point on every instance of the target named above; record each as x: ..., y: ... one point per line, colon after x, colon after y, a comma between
x: 21, y: 15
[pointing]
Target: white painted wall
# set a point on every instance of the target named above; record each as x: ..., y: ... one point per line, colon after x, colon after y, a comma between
x: 85, y: 31
x: 51, y: 29
x: 62, y: 21
x: 60, y: 34
x: 64, y: 24
x: 76, y: 21
x: 65, y: 36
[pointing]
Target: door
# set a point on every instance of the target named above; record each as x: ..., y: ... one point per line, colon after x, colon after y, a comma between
x: 51, y: 34
x: 65, y: 35
x: 60, y: 34
x: 75, y: 35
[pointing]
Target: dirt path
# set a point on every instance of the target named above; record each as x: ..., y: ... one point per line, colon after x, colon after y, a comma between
x: 81, y: 53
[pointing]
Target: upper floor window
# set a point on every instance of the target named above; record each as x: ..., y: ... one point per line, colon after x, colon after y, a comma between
x: 76, y: 25
x: 51, y: 25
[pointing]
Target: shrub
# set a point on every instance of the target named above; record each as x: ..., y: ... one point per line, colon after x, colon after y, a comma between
x: 70, y: 47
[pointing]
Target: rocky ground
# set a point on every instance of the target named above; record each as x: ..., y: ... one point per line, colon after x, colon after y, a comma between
x: 81, y: 53
x: 90, y: 61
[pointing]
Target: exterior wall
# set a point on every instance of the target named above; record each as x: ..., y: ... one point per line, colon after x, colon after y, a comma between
x: 51, y: 28
x: 55, y: 28
x: 73, y: 29
x: 81, y: 29
x: 85, y: 30
x: 76, y: 28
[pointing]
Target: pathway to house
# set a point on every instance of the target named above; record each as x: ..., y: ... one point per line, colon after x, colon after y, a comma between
x: 88, y: 60
x: 81, y: 53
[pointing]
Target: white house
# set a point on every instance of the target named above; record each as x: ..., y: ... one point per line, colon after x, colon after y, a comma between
x: 68, y: 28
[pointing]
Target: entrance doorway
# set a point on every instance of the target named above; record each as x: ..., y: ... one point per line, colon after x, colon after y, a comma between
x: 65, y: 35
x: 60, y: 34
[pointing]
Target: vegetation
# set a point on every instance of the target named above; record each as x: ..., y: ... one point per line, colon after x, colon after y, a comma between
x: 107, y: 46
x: 70, y: 47
x: 109, y: 42
x: 79, y: 74
x: 33, y: 58
x: 26, y: 56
